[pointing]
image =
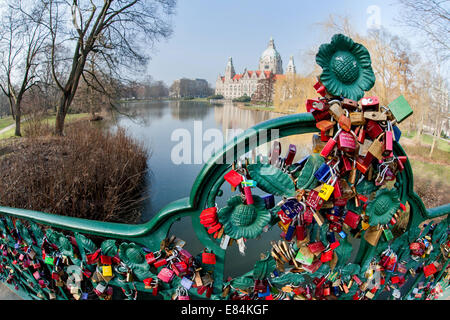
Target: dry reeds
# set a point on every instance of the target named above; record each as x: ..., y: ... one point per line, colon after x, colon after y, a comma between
x: 89, y: 173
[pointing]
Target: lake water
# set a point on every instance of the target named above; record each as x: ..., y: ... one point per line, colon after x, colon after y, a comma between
x: 154, y: 123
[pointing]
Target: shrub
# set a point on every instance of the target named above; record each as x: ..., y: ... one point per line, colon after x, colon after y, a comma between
x: 244, y: 98
x: 88, y: 173
x: 216, y: 97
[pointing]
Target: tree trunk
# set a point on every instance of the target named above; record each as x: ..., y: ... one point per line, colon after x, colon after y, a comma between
x: 436, y: 135
x: 17, y: 131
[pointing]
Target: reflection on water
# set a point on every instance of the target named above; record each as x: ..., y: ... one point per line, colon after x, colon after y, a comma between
x: 153, y: 124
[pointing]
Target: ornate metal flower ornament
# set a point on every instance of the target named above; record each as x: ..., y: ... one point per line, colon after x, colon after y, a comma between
x: 347, y: 69
x: 244, y: 221
x: 381, y: 209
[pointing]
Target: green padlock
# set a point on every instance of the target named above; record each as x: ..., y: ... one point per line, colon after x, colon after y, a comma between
x: 49, y: 260
x: 388, y: 234
x: 400, y: 109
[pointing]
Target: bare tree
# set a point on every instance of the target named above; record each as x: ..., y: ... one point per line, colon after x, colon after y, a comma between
x: 265, y: 89
x: 431, y: 19
x: 20, y: 45
x: 116, y: 31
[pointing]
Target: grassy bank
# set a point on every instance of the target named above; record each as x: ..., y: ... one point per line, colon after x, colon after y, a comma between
x: 50, y: 120
x: 431, y: 175
x: 7, y: 121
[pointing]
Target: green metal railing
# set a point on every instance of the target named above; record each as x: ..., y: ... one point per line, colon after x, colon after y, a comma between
x: 72, y: 235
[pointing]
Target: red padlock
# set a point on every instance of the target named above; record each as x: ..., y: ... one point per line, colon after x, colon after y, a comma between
x: 326, y: 256
x: 373, y: 129
x: 208, y: 258
x: 233, y: 178
x: 352, y: 219
x: 346, y: 142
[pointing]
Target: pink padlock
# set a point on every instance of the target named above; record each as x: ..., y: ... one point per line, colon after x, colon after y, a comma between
x: 166, y: 275
x: 347, y: 142
x: 248, y: 195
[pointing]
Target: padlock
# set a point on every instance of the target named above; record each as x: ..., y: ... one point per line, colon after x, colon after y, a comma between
x: 269, y: 201
x: 397, y: 132
x: 314, y: 200
x: 327, y: 189
x: 335, y: 109
x: 344, y: 121
x: 369, y: 102
x: 312, y: 104
x: 400, y: 109
x: 105, y: 259
x: 304, y: 256
x: 325, y: 125
x: 292, y: 208
x: 357, y: 119
x: 337, y: 193
x: 388, y: 140
x: 375, y: 116
x: 352, y: 219
x: 284, y: 218
x: 166, y: 275
x: 349, y: 104
x: 326, y: 256
x: 275, y: 153
x: 233, y: 178
x: 376, y: 148
x: 320, y: 89
x: 208, y: 258
x: 329, y: 146
x: 346, y: 142
x: 361, y: 135
x: 324, y: 172
x: 290, y: 231
x: 248, y: 195
x: 107, y: 271
x: 373, y: 129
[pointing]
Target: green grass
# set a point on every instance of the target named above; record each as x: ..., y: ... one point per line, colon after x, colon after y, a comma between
x: 428, y: 139
x: 51, y: 120
x: 431, y: 171
x: 4, y: 122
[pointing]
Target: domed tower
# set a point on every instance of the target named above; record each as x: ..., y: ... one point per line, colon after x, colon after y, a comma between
x: 271, y: 60
x: 291, y: 66
x: 229, y: 71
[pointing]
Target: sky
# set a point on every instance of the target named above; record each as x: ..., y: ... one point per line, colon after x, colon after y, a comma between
x: 207, y: 32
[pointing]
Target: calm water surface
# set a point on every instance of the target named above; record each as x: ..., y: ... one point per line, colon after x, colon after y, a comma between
x: 153, y: 124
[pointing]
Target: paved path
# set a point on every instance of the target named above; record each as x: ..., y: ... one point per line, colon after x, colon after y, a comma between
x: 7, y: 294
x: 8, y: 128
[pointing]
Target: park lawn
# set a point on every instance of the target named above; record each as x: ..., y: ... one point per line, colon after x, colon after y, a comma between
x: 4, y: 122
x: 51, y: 120
x: 428, y: 139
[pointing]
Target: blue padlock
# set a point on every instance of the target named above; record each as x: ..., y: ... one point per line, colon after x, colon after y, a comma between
x: 269, y: 201
x: 264, y: 294
x: 397, y: 133
x: 342, y: 234
x: 323, y: 174
x: 290, y: 232
x: 331, y: 237
x: 292, y: 208
x: 84, y: 296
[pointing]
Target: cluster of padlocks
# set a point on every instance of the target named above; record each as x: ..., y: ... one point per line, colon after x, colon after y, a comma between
x: 354, y: 162
x: 53, y: 265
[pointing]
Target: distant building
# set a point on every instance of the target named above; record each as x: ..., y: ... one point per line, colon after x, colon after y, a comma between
x: 196, y: 88
x: 233, y: 85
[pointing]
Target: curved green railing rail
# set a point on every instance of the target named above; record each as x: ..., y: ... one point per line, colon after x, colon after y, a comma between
x: 149, y: 235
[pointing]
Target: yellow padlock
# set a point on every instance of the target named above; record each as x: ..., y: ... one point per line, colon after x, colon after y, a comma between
x: 107, y: 271
x: 327, y: 190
